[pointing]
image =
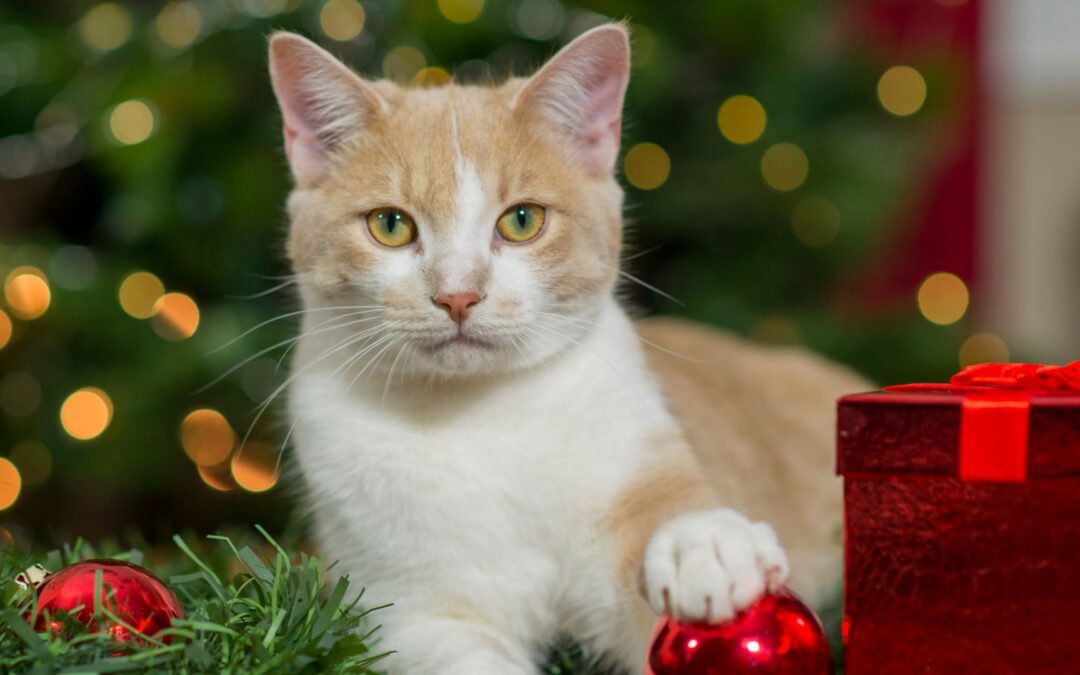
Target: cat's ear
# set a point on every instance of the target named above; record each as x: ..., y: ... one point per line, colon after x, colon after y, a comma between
x: 581, y: 91
x: 322, y: 102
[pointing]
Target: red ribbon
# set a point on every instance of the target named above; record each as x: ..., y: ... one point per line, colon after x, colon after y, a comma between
x: 996, y: 412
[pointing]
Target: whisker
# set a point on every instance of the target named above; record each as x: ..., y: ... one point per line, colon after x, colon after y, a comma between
x: 650, y: 287
x: 280, y: 317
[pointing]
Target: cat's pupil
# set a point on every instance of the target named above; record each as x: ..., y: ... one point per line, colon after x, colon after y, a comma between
x: 391, y: 222
x: 522, y: 217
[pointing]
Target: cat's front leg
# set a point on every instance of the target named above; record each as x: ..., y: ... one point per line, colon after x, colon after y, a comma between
x: 709, y: 565
x: 443, y: 646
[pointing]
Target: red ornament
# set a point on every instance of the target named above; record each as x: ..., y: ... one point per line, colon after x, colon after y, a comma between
x: 779, y: 635
x: 130, y: 592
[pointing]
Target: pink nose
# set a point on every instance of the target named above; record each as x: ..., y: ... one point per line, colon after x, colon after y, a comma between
x: 457, y: 305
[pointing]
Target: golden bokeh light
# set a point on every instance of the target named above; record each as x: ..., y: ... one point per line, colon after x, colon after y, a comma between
x: 785, y: 167
x: 902, y: 90
x: 217, y: 477
x: 27, y: 293
x: 255, y: 466
x: 401, y: 63
x: 10, y: 483
x: 461, y: 11
x: 86, y: 413
x: 983, y: 348
x: 6, y: 329
x: 741, y: 119
x: 175, y: 316
x: 815, y: 221
x: 132, y: 122
x: 106, y: 27
x: 178, y: 24
x: 207, y: 437
x: 943, y: 298
x: 342, y: 20
x: 139, y: 293
x: 33, y: 461
x: 431, y: 77
x: 647, y: 166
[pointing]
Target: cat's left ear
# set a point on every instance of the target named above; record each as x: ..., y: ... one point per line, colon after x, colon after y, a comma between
x: 322, y: 102
x: 581, y: 91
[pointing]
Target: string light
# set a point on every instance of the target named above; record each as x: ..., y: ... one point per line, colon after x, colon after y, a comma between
x: 647, y: 166
x: 983, y: 348
x: 175, y: 316
x: 461, y: 11
x: 106, y: 27
x: 943, y: 298
x: 86, y: 413
x: 431, y: 77
x: 217, y: 477
x: 815, y: 221
x: 139, y: 293
x: 342, y: 20
x: 784, y: 167
x: 33, y: 461
x: 178, y: 24
x: 207, y: 437
x: 902, y: 90
x: 10, y: 483
x: 6, y: 329
x: 401, y: 63
x: 741, y: 119
x: 27, y: 292
x: 132, y: 122
x: 255, y: 466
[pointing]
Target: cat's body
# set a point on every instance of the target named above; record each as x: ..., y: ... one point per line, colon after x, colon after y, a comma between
x: 486, y: 441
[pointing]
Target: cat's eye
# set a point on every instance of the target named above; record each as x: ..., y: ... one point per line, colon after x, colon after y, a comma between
x: 521, y: 222
x: 391, y: 227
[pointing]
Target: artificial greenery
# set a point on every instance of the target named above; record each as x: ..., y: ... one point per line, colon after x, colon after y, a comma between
x: 252, y: 607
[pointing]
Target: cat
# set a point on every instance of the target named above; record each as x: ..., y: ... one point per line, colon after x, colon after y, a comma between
x: 487, y: 440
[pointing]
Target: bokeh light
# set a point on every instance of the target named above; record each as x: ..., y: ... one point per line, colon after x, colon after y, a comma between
x: 342, y: 20
x: 983, y: 348
x: 902, y: 90
x: 784, y: 167
x: 20, y: 394
x: 217, y: 477
x: 132, y: 122
x: 106, y: 27
x: 647, y: 166
x: 27, y: 293
x: 401, y: 63
x: 255, y: 466
x: 139, y: 293
x: 461, y: 11
x: 207, y: 437
x: 178, y: 24
x: 5, y: 329
x: 815, y: 221
x: 86, y: 413
x: 10, y: 483
x: 539, y: 19
x: 741, y: 119
x: 943, y: 298
x: 175, y: 316
x: 431, y: 77
x: 33, y: 461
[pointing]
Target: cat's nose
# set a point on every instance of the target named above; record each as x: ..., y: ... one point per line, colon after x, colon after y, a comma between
x: 457, y: 305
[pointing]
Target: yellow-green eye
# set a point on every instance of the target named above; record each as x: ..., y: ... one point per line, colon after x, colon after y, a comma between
x: 391, y: 227
x: 521, y: 223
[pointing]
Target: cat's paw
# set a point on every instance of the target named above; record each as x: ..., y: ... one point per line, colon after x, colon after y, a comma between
x: 709, y: 565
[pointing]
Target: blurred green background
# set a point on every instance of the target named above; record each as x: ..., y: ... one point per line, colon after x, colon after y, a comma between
x: 142, y: 138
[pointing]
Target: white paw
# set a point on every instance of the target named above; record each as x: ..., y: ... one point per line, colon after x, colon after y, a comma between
x: 709, y: 565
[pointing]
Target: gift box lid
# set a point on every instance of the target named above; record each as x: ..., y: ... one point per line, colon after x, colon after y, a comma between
x: 917, y: 432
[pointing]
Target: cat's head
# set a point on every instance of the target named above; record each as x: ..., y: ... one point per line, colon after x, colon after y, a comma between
x: 465, y: 229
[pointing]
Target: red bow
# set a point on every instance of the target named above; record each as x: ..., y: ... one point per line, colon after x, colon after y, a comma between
x: 996, y: 411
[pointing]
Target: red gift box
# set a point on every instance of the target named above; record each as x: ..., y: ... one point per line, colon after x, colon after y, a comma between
x: 962, y: 523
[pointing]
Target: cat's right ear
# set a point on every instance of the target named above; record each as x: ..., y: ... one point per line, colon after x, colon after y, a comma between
x: 322, y: 103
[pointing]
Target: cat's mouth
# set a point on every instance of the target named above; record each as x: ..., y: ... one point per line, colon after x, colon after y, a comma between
x: 462, y: 340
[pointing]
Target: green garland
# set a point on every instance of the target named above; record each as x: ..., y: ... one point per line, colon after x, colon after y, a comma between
x: 251, y: 608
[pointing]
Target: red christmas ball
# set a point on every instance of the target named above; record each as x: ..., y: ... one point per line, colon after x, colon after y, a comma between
x: 779, y: 635
x: 134, y: 595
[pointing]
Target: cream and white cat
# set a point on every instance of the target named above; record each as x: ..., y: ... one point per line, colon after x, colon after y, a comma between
x: 488, y: 441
